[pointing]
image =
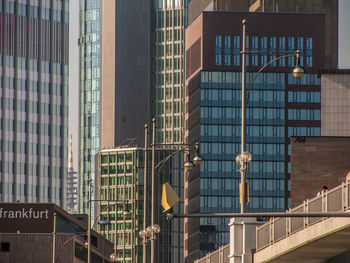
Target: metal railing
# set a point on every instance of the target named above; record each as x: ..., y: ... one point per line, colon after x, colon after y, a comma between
x: 218, y: 256
x: 333, y: 200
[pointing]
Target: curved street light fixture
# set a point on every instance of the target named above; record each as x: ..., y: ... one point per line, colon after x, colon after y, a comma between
x: 148, y: 234
x: 244, y: 157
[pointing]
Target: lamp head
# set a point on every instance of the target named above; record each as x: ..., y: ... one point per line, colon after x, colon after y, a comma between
x: 197, y: 159
x: 245, y: 157
x: 155, y: 229
x: 143, y: 233
x: 188, y: 165
x: 298, y: 72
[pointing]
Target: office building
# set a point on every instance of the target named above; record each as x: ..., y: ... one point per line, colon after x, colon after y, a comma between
x: 170, y: 21
x: 329, y: 8
x: 115, y: 97
x: 27, y: 232
x: 89, y: 85
x: 120, y: 179
x: 34, y: 101
x: 278, y: 107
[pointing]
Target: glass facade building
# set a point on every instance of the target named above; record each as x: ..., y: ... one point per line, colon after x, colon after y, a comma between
x: 89, y: 43
x: 170, y: 21
x: 120, y: 179
x: 278, y: 107
x: 34, y: 100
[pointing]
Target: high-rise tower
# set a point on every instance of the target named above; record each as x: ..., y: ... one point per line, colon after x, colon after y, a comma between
x: 168, y: 69
x: 34, y: 100
x: 72, y: 190
x: 89, y: 133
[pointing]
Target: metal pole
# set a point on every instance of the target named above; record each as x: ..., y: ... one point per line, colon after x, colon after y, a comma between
x: 145, y: 170
x: 267, y: 214
x: 153, y: 182
x: 243, y: 125
x: 89, y: 224
x: 103, y: 245
x: 54, y: 238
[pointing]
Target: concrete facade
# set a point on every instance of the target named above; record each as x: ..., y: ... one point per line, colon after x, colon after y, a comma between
x: 125, y: 71
x: 335, y: 99
x: 315, y: 162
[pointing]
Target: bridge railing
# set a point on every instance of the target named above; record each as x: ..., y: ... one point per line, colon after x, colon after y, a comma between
x: 333, y: 200
x: 218, y: 256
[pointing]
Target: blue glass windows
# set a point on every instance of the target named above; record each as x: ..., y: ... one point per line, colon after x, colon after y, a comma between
x: 255, y: 47
x: 291, y: 49
x: 263, y: 48
x: 218, y: 50
x: 236, y: 50
x: 227, y: 50
x: 308, y: 52
x: 273, y: 43
x: 282, y: 48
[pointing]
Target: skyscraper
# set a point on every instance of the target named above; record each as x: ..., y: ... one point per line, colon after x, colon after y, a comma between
x: 278, y: 107
x: 89, y: 84
x: 170, y: 20
x: 34, y: 100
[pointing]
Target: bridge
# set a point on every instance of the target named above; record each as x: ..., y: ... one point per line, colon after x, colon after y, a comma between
x: 308, y: 240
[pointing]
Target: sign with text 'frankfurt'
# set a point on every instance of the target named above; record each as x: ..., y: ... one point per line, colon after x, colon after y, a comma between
x: 26, y: 218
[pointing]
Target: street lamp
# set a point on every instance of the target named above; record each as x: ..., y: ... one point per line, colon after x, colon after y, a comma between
x: 148, y: 234
x: 244, y: 157
x: 104, y: 223
x: 126, y: 213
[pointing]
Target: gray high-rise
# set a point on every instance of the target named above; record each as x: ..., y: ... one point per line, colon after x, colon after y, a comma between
x: 34, y: 100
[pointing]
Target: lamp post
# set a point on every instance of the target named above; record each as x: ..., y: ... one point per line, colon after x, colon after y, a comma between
x: 89, y: 222
x: 104, y: 223
x: 144, y: 245
x: 244, y: 157
x: 148, y: 234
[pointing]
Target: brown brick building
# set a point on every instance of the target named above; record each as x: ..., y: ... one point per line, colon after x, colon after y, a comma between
x: 315, y: 162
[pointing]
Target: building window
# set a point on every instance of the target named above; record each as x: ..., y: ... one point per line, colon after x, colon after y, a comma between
x: 273, y: 50
x: 308, y: 52
x: 218, y: 50
x: 227, y: 50
x: 291, y: 49
x: 282, y: 48
x: 5, y: 246
x: 236, y: 50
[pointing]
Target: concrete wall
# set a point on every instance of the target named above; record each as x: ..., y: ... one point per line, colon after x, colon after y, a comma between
x: 335, y: 101
x: 125, y: 99
x: 317, y: 161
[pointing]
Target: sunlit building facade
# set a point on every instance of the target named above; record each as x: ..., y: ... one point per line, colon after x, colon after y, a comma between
x: 34, y: 101
x: 89, y: 84
x: 278, y: 107
x: 170, y: 21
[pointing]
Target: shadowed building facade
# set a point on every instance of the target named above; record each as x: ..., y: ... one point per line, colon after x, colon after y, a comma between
x: 278, y: 107
x: 34, y: 101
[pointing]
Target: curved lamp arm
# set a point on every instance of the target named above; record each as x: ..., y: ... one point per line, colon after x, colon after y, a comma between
x: 294, y: 54
x: 162, y: 162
